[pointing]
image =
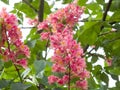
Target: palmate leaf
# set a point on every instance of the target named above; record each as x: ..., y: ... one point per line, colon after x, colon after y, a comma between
x: 39, y: 66
x: 29, y: 12
x: 4, y: 83
x: 19, y: 86
x: 89, y: 33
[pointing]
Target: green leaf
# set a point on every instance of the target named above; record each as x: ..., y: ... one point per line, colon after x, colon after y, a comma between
x: 31, y: 43
x: 25, y: 73
x: 92, y: 84
x: 1, y: 64
x: 44, y: 81
x: 5, y: 1
x: 3, y: 83
x: 100, y: 1
x: 104, y: 78
x: 115, y: 77
x: 29, y: 12
x: 32, y: 88
x: 94, y: 6
x: 115, y: 5
x: 89, y: 33
x: 47, y: 9
x: 82, y: 2
x: 115, y: 16
x: 8, y: 64
x: 39, y: 66
x: 19, y: 86
x: 66, y: 1
x: 94, y: 58
x: 115, y: 71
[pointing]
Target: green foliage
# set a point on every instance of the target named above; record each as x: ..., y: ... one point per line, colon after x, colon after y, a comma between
x: 4, y: 83
x: 19, y: 86
x: 39, y: 66
x: 89, y: 33
x: 27, y: 10
x: 5, y: 1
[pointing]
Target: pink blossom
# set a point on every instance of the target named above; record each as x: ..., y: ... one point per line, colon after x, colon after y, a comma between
x: 33, y: 21
x: 12, y: 35
x: 43, y: 25
x: 109, y: 62
x: 67, y: 52
x: 84, y: 74
x: 82, y: 84
x: 44, y: 35
x: 18, y: 42
x: 60, y: 81
x: 22, y: 62
x: 65, y: 78
x: 25, y: 50
x: 52, y: 79
x: 58, y: 68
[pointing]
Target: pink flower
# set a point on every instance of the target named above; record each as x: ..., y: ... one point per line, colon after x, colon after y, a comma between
x: 67, y: 52
x: 22, y: 62
x: 82, y: 84
x: 43, y: 25
x: 58, y: 68
x: 12, y: 35
x: 52, y: 79
x: 84, y: 74
x: 65, y: 78
x: 18, y: 42
x: 44, y: 35
x: 25, y: 50
x: 109, y: 62
x: 33, y: 21
x: 60, y: 81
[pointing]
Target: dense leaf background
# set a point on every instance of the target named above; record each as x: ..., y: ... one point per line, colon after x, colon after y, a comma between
x: 98, y: 32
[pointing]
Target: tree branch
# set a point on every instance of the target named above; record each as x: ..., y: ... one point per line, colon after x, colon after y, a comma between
x: 41, y: 11
x: 106, y: 11
x: 30, y: 6
x: 103, y: 19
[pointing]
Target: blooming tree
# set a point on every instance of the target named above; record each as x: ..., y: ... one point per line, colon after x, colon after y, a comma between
x: 83, y: 36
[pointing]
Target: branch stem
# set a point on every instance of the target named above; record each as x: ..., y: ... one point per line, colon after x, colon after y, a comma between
x: 18, y: 72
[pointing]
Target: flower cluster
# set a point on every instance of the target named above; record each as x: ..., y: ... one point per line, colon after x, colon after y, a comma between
x: 11, y: 46
x: 67, y: 59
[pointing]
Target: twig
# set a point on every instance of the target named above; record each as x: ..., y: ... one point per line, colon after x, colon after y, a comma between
x: 30, y: 6
x: 46, y: 49
x: 27, y: 27
x: 109, y: 32
x: 114, y: 39
x: 96, y: 54
x: 18, y: 73
x: 85, y: 48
